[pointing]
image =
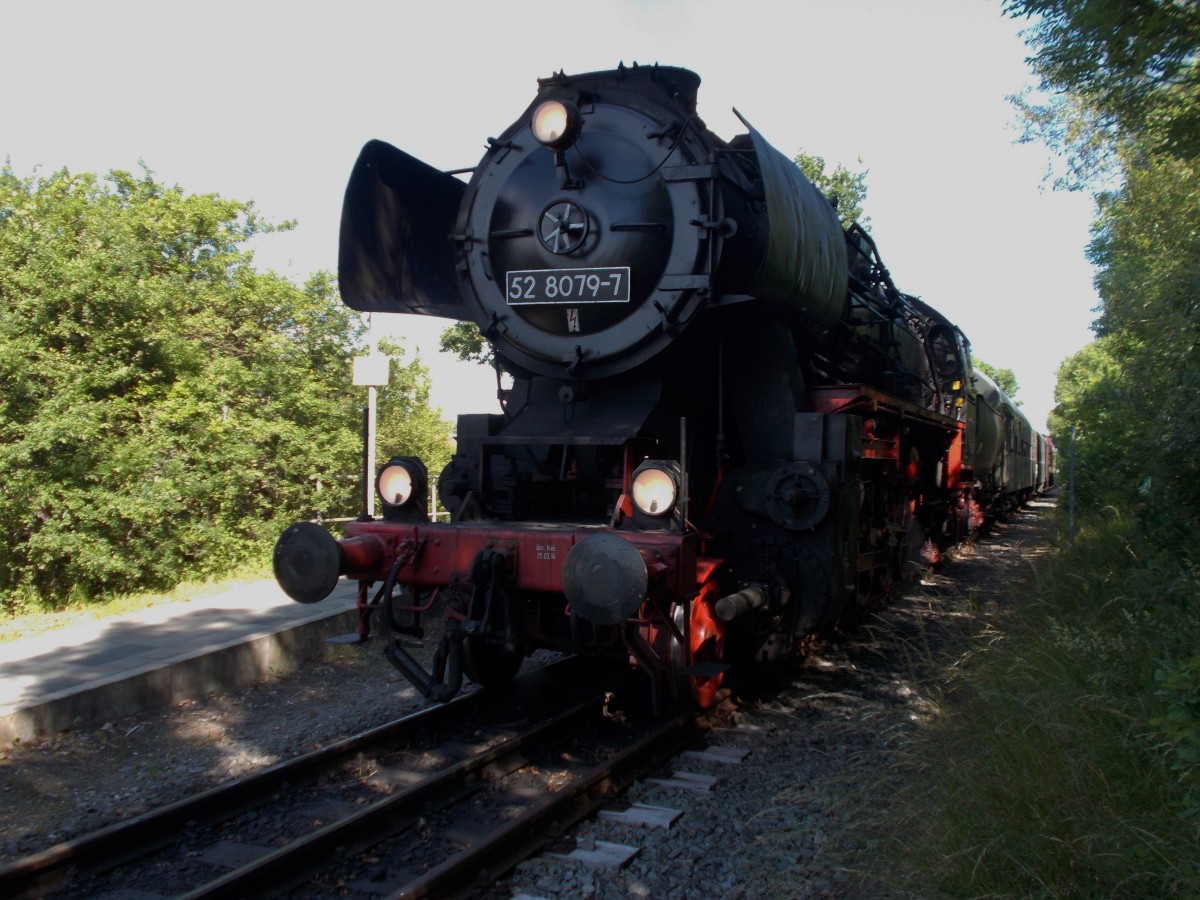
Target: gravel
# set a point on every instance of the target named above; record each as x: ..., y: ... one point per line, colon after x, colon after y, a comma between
x: 791, y: 820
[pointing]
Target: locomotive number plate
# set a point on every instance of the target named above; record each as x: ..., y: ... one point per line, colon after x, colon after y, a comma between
x: 604, y: 285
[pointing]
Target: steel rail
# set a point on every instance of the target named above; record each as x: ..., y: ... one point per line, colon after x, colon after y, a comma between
x: 503, y: 848
x: 121, y: 842
x: 290, y: 865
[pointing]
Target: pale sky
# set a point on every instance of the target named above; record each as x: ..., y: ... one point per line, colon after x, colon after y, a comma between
x: 271, y: 102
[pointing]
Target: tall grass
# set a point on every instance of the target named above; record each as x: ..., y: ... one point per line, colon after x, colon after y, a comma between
x: 1064, y: 760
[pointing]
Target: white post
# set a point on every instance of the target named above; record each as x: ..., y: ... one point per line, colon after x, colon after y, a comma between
x: 370, y: 371
x: 372, y: 351
x: 370, y: 473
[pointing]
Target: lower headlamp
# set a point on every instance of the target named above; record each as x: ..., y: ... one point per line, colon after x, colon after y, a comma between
x: 655, y: 487
x: 402, y: 485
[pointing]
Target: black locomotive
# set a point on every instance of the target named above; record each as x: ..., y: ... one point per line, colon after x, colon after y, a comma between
x: 726, y: 428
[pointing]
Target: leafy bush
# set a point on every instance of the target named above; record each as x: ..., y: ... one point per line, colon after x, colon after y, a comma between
x: 166, y: 407
x: 1179, y: 724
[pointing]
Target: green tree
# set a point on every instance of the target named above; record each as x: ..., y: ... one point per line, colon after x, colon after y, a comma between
x: 465, y: 341
x: 406, y: 425
x: 1134, y: 65
x: 1124, y: 109
x: 846, y: 190
x: 1146, y: 249
x: 1094, y: 396
x: 165, y: 406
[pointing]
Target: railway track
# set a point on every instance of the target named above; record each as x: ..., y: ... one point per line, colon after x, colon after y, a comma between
x: 431, y: 800
x: 820, y: 733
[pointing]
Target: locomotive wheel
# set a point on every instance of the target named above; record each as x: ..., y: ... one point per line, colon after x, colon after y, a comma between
x: 705, y: 649
x: 490, y: 665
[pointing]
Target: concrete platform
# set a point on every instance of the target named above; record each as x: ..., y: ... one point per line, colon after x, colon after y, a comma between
x: 158, y: 657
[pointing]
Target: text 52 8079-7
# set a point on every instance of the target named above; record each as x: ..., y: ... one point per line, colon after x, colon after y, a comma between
x: 601, y: 285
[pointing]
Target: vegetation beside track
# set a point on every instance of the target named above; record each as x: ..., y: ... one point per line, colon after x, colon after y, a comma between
x: 1065, y: 758
x: 167, y: 407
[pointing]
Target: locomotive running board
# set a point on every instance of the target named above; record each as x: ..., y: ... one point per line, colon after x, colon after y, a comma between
x: 854, y: 399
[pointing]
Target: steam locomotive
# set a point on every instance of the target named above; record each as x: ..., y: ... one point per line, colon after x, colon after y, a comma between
x: 726, y: 427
